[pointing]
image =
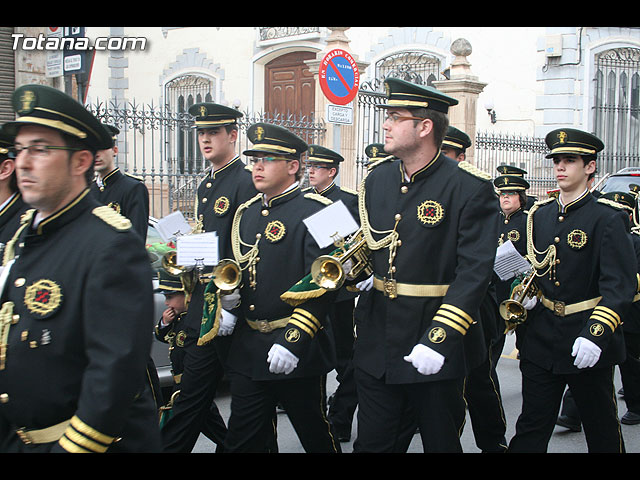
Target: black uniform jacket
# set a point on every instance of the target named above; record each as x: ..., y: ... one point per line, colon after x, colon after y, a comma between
x: 632, y: 321
x: 174, y: 335
x: 128, y: 196
x: 219, y: 195
x: 286, y: 252
x: 80, y: 337
x: 448, y: 230
x: 10, y: 217
x: 512, y: 227
x: 594, y: 257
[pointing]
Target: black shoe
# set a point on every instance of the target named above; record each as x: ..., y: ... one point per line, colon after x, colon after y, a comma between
x: 630, y: 418
x: 570, y: 423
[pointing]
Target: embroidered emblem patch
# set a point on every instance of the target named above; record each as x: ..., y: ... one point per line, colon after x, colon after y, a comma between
x: 221, y: 206
x: 596, y: 329
x: 437, y: 335
x: 577, y: 239
x: 115, y: 206
x: 43, y: 297
x: 275, y: 231
x: 513, y: 235
x: 430, y: 213
x: 292, y: 335
x: 180, y: 337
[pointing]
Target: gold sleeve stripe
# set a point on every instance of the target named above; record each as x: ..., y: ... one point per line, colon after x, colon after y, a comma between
x: 304, y: 321
x: 456, y: 318
x: 302, y: 326
x: 605, y: 310
x: 604, y: 317
x: 456, y: 310
x: 450, y: 323
x: 606, y: 321
x: 90, y: 432
x: 84, y: 442
x: 71, y: 447
x: 309, y: 316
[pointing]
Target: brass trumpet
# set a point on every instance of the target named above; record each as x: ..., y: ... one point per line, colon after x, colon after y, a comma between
x: 512, y: 310
x: 328, y: 270
x: 227, y: 276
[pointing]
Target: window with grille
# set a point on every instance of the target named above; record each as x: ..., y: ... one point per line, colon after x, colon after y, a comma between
x: 413, y: 66
x: 617, y: 107
x: 181, y: 93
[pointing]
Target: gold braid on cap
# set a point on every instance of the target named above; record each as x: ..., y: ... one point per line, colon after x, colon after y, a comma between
x: 250, y: 257
x: 549, y: 260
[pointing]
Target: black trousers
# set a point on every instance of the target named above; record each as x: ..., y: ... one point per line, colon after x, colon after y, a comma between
x: 630, y: 372
x: 194, y: 410
x: 542, y: 392
x: 484, y: 401
x: 388, y: 414
x: 251, y: 425
x: 344, y: 401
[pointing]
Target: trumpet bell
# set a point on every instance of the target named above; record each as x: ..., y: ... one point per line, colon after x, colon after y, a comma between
x: 328, y: 272
x: 227, y: 275
x: 513, y: 311
x: 169, y: 263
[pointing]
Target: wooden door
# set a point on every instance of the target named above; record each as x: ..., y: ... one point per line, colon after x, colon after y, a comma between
x: 289, y: 85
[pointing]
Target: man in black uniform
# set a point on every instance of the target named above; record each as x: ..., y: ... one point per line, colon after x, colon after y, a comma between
x: 126, y: 194
x: 226, y: 186
x: 280, y: 353
x: 129, y: 197
x: 323, y: 165
x: 455, y: 144
x: 430, y: 223
x: 586, y: 275
x: 12, y: 207
x: 77, y: 304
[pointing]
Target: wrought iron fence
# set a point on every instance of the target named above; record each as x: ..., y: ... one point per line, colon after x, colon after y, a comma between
x: 160, y: 146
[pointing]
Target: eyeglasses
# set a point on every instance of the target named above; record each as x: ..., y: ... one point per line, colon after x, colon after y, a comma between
x: 508, y: 194
x: 255, y: 160
x: 394, y: 117
x: 41, y: 150
x: 316, y: 167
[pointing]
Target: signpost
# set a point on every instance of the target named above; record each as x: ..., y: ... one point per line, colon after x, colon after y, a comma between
x: 339, y: 77
x: 54, y: 57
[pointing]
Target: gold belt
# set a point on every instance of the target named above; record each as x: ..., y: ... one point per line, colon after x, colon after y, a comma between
x: 391, y: 288
x: 561, y: 309
x: 266, y: 326
x: 43, y: 435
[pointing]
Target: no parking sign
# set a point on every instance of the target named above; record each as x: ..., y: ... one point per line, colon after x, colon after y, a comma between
x: 339, y: 77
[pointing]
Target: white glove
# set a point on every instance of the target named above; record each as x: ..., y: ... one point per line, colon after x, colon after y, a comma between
x: 230, y: 300
x: 227, y: 323
x: 365, y: 285
x: 530, y: 302
x: 425, y: 360
x: 586, y: 352
x: 281, y: 360
x: 347, y: 266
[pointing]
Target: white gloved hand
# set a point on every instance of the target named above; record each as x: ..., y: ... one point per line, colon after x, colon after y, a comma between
x: 227, y: 323
x: 230, y: 300
x: 425, y: 360
x: 586, y: 352
x: 347, y: 266
x: 281, y: 360
x: 365, y: 285
x: 530, y: 302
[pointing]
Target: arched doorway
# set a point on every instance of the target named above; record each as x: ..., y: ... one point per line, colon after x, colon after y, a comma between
x: 289, y: 85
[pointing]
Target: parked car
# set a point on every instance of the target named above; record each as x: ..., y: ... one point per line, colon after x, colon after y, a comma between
x: 620, y: 181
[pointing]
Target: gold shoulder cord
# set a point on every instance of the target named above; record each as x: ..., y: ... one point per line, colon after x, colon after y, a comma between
x: 390, y: 240
x: 549, y: 260
x: 250, y: 257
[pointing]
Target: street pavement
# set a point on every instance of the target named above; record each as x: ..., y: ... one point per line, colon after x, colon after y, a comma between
x: 562, y: 441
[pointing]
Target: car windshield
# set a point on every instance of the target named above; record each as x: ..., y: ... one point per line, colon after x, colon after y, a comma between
x: 619, y: 183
